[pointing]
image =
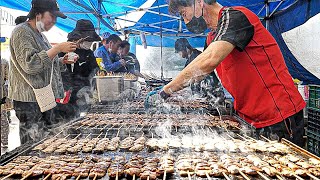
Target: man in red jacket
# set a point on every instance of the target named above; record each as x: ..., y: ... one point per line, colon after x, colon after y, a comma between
x: 249, y: 63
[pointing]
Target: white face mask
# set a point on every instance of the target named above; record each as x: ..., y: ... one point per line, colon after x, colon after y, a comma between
x: 85, y: 45
x: 40, y: 25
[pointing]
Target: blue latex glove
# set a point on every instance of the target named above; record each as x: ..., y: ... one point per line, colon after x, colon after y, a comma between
x: 153, y: 97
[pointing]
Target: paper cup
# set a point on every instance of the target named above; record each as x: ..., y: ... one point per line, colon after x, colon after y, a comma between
x: 71, y: 56
x: 99, y: 62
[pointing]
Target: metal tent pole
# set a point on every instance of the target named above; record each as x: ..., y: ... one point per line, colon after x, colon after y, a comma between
x: 1, y: 84
x: 267, y: 14
x: 99, y: 17
x: 161, y: 48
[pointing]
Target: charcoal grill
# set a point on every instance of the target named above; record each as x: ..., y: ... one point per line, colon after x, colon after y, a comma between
x: 123, y: 132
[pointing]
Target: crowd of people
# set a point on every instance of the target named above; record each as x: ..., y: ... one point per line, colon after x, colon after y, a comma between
x: 68, y: 68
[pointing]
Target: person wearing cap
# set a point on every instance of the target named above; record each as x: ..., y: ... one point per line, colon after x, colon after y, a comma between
x: 33, y: 55
x: 250, y: 65
x: 80, y: 74
x: 109, y: 54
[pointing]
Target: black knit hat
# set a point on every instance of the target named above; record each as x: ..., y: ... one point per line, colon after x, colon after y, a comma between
x: 84, y: 29
x: 48, y: 5
x: 181, y: 45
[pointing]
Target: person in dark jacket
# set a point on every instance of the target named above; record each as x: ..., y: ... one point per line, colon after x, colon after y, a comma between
x: 109, y: 54
x: 210, y: 86
x: 79, y: 75
x: 185, y: 50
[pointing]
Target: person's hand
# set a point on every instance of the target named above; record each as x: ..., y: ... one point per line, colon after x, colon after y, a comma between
x: 67, y: 47
x: 155, y: 97
x: 65, y: 59
x: 123, y: 62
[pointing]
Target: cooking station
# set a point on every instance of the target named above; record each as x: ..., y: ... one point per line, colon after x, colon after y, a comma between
x: 124, y: 141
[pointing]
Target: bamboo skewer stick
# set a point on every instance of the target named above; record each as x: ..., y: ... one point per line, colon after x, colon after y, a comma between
x: 164, y: 175
x: 312, y: 176
x: 268, y: 140
x: 208, y: 177
x: 88, y: 136
x: 77, y: 136
x: 244, y: 175
x: 262, y: 175
x: 279, y: 177
x: 47, y: 177
x: 226, y: 176
x: 78, y: 177
x: 117, y: 175
x: 298, y: 177
x: 80, y: 127
x: 299, y: 149
x: 189, y: 176
x: 9, y: 175
x: 95, y: 176
x: 27, y: 176
x: 99, y: 135
x: 134, y: 177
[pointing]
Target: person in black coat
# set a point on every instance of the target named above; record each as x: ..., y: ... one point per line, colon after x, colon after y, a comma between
x: 78, y: 76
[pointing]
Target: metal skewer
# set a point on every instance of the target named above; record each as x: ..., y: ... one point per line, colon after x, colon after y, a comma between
x: 7, y: 176
x: 27, y: 176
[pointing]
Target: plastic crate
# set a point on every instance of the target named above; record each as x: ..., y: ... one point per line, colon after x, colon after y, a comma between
x: 314, y: 120
x: 314, y: 96
x: 313, y: 142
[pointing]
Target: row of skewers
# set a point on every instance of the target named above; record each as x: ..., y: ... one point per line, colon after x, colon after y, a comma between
x: 204, y: 165
x: 198, y: 143
x: 250, y: 165
x: 105, y: 120
x: 56, y: 167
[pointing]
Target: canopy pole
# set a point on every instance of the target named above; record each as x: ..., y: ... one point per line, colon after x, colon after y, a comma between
x: 1, y: 83
x: 99, y: 17
x: 267, y: 14
x: 161, y: 50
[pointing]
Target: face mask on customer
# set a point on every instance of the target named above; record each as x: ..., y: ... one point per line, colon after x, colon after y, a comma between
x: 40, y: 25
x: 85, y: 45
x: 197, y: 25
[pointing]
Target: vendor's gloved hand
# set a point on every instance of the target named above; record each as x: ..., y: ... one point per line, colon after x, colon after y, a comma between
x: 155, y: 97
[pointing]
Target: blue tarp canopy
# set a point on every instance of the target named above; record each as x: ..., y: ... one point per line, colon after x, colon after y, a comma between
x: 152, y: 17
